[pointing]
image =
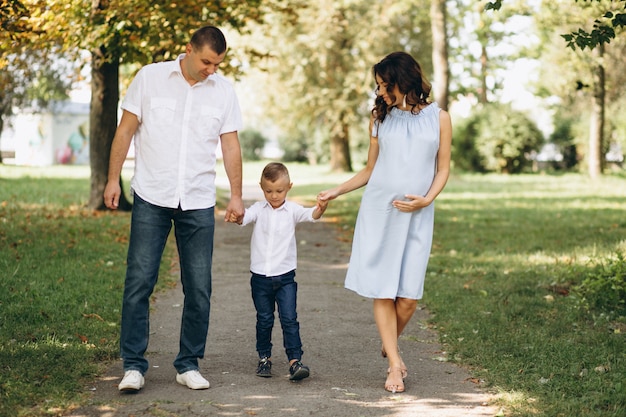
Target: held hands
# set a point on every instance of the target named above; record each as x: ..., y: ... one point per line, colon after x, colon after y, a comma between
x: 321, y: 205
x: 234, y: 211
x: 327, y: 195
x: 412, y: 203
x: 234, y: 219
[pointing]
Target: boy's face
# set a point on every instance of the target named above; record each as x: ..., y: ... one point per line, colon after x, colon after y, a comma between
x: 276, y: 192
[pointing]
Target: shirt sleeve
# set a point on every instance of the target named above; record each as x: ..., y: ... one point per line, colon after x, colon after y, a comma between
x: 251, y: 214
x: 303, y: 214
x: 134, y: 94
x: 232, y: 112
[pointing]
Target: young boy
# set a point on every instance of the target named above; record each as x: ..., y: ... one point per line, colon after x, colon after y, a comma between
x: 273, y: 267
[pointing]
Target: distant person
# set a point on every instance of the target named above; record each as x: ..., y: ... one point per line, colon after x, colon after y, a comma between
x: 407, y: 167
x: 273, y: 267
x: 177, y: 112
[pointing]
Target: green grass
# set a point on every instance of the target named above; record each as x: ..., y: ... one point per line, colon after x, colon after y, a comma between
x: 508, y: 256
x: 62, y: 269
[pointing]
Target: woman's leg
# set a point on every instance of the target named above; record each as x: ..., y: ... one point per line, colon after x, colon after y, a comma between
x: 387, y: 322
x: 405, y: 308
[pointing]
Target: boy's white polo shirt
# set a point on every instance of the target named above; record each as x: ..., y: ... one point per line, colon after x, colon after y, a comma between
x: 179, y: 130
x: 273, y: 244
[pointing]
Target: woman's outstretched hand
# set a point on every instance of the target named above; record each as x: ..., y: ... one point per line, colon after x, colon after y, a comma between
x: 327, y: 195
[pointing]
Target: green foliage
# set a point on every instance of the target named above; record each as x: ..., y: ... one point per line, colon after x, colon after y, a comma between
x: 603, y: 290
x: 496, y: 138
x: 295, y: 149
x: 603, y: 27
x: 563, y: 136
x: 252, y: 144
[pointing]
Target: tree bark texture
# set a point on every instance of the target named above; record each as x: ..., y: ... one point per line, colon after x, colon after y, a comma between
x: 102, y: 125
x: 340, y: 149
x: 441, y: 81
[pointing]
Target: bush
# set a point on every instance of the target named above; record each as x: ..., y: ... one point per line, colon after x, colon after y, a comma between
x: 603, y: 290
x: 496, y: 138
x: 295, y: 149
x: 252, y: 144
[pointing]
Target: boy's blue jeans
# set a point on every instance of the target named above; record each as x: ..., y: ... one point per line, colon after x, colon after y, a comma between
x: 150, y: 227
x: 267, y: 292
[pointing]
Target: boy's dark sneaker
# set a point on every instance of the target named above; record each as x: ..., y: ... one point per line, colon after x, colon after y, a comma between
x: 298, y: 371
x: 265, y: 368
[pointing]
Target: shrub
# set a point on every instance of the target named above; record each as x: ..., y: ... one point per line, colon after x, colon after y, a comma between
x: 603, y: 290
x: 496, y: 138
x: 295, y: 148
x: 252, y: 144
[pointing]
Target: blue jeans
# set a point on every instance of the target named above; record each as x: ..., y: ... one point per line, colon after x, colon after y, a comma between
x: 150, y: 228
x: 267, y: 292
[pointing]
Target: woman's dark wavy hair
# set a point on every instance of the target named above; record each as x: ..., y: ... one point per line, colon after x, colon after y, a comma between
x: 401, y: 69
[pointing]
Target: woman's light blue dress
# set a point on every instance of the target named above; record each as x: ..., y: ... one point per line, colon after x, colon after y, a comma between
x: 390, y: 249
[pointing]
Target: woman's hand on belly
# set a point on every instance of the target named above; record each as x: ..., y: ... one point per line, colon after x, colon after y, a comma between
x: 411, y: 203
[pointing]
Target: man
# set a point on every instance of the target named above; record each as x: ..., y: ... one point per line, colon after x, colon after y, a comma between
x: 177, y: 111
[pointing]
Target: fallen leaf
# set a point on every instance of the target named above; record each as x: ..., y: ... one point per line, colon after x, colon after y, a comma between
x: 92, y: 316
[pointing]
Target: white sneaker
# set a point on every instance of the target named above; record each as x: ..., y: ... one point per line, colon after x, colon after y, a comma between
x: 192, y: 379
x: 133, y: 381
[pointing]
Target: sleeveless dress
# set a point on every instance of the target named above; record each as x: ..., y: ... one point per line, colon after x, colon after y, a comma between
x: 390, y: 249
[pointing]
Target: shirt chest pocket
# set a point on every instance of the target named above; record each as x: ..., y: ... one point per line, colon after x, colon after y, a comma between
x: 210, y: 121
x: 162, y: 110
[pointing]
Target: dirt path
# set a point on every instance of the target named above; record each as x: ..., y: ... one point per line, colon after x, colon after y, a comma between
x: 340, y: 345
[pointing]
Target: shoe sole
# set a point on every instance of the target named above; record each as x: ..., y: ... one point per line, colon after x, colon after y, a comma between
x: 130, y: 389
x: 264, y: 375
x: 300, y: 374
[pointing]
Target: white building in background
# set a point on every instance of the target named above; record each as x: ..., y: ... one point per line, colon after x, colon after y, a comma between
x: 57, y: 135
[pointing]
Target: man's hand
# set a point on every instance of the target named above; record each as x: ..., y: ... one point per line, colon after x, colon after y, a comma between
x: 112, y: 193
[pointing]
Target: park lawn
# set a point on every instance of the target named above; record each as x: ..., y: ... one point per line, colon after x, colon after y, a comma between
x: 508, y: 254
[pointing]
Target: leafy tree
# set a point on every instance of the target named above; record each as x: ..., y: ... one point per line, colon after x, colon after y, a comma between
x: 587, y: 82
x: 319, y: 67
x: 27, y: 77
x: 483, y: 47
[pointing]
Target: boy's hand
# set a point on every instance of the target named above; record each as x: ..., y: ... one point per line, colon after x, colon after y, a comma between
x: 322, y: 203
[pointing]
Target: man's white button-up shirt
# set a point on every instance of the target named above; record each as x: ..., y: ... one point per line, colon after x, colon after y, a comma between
x: 179, y: 130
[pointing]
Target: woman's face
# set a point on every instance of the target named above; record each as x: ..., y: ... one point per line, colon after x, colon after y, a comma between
x: 381, y: 91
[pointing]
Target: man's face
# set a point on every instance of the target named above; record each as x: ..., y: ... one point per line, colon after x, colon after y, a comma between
x: 202, y: 62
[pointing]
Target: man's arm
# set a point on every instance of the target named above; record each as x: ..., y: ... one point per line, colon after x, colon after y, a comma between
x: 119, y: 150
x: 231, y: 151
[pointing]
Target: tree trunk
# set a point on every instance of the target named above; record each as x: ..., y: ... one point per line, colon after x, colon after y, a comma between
x: 482, y: 94
x: 596, y: 129
x: 441, y: 76
x: 340, y: 148
x: 102, y: 125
